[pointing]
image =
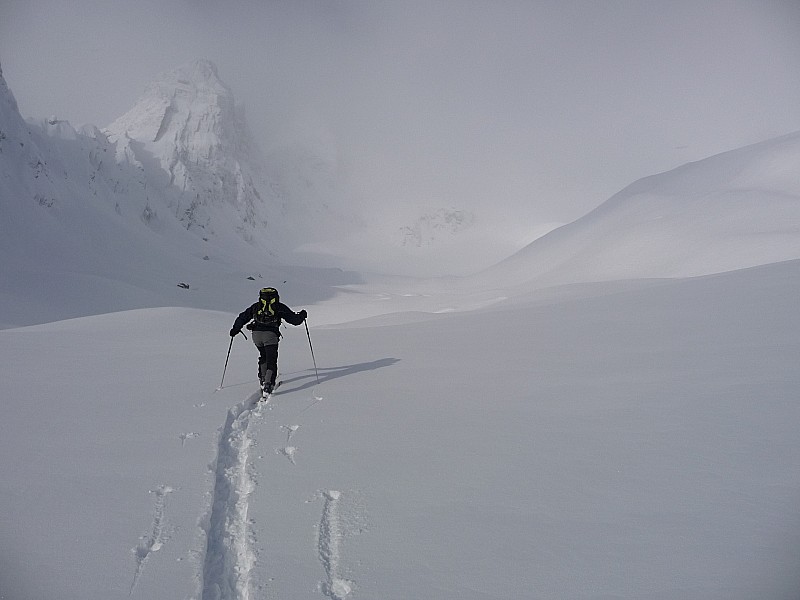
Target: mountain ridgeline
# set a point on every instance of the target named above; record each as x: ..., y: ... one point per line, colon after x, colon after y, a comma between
x: 731, y: 211
x: 182, y: 155
x: 176, y: 190
x: 190, y: 141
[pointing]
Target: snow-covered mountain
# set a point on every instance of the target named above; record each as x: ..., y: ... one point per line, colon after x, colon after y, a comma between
x: 189, y: 138
x: 64, y: 197
x: 99, y: 220
x: 734, y: 210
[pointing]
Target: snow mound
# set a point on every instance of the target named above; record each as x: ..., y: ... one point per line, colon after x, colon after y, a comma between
x: 731, y: 211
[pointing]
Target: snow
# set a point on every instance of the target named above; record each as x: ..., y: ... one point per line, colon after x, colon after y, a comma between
x: 611, y: 413
x: 187, y: 124
x: 626, y: 443
x: 733, y: 210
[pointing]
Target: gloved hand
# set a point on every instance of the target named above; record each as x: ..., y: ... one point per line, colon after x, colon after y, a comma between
x: 234, y: 331
x: 303, y: 314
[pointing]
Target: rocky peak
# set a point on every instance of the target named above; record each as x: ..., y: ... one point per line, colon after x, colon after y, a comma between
x: 188, y: 121
x: 188, y: 108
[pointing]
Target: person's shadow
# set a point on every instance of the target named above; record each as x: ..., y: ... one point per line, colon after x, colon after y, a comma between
x: 329, y: 373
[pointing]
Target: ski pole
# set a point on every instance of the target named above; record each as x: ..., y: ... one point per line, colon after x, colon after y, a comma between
x: 312, y: 350
x: 226, y: 360
x: 226, y: 364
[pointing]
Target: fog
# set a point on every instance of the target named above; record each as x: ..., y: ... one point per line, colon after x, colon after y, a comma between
x: 526, y: 111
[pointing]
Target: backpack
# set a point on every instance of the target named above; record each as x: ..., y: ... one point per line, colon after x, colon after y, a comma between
x: 267, y: 303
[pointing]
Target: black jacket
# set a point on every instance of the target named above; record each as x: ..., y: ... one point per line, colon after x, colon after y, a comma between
x: 281, y: 312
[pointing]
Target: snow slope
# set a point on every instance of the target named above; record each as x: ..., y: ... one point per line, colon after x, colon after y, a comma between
x: 625, y: 444
x: 730, y: 211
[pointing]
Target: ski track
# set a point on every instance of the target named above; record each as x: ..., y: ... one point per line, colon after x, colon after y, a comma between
x: 229, y: 557
x: 289, y: 452
x: 155, y: 540
x: 187, y: 436
x: 330, y: 537
x: 290, y: 431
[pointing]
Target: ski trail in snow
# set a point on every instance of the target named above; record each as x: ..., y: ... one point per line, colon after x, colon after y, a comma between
x: 187, y: 436
x: 155, y: 540
x: 330, y: 537
x: 229, y: 557
x: 290, y: 431
x: 289, y: 452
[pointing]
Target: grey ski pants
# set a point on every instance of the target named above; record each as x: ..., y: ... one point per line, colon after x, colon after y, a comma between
x: 267, y: 344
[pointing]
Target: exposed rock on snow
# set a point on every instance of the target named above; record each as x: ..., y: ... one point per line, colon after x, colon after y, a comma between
x: 432, y: 226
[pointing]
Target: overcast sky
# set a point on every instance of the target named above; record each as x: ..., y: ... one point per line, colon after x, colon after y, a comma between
x: 536, y: 108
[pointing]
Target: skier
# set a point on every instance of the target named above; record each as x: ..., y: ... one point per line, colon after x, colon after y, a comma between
x: 266, y: 315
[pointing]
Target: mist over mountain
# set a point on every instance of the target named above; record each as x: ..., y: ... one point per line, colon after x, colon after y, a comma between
x: 116, y: 222
x: 176, y: 190
x: 187, y: 134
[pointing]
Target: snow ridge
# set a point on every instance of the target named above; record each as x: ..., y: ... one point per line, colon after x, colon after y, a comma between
x: 154, y: 541
x: 229, y: 558
x: 731, y: 211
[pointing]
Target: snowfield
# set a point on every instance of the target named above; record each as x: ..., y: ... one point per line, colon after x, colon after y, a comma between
x: 613, y: 443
